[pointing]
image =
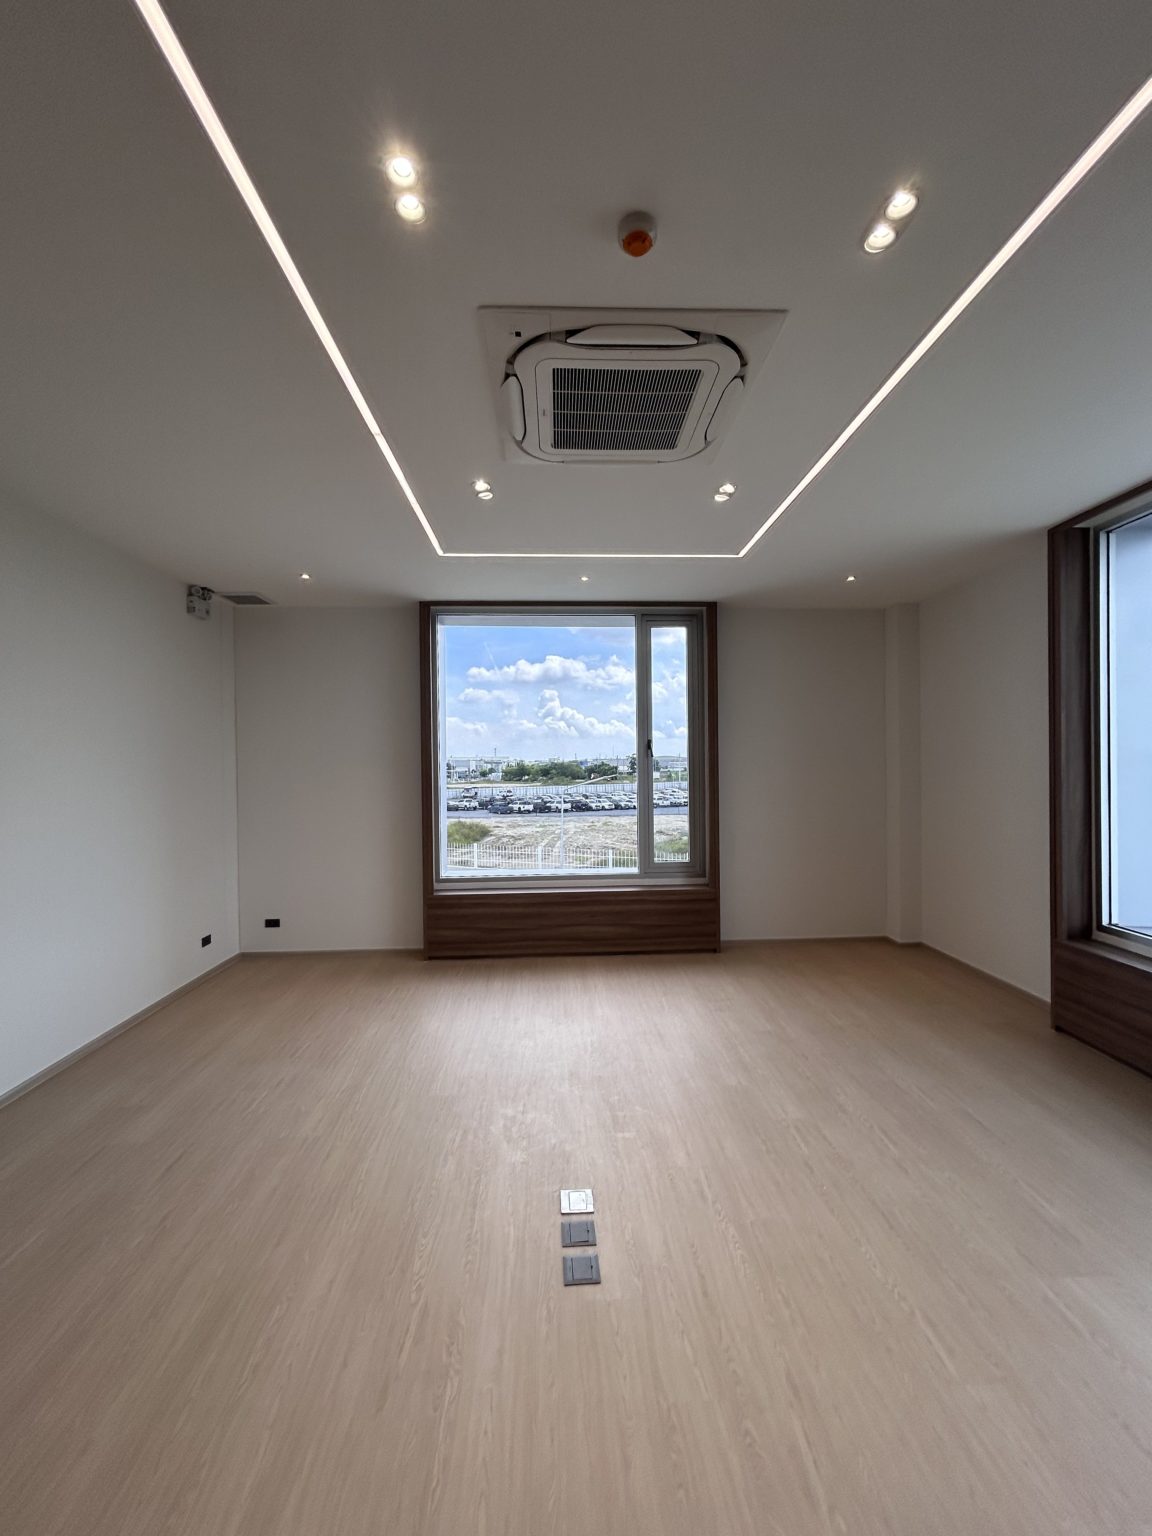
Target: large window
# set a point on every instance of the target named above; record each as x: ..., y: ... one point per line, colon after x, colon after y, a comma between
x: 569, y: 745
x: 1100, y: 722
x: 1124, y: 715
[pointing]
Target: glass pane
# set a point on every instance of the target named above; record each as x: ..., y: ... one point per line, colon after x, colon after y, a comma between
x: 670, y: 747
x: 1127, y: 695
x: 537, y: 739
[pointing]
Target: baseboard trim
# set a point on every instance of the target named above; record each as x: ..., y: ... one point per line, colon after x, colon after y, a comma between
x: 374, y: 949
x: 1009, y: 986
x: 807, y: 938
x: 110, y: 1034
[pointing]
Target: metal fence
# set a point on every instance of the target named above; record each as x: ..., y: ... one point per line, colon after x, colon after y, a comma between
x: 546, y: 857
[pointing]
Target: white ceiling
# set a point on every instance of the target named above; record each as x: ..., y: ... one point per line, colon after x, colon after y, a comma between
x: 162, y: 387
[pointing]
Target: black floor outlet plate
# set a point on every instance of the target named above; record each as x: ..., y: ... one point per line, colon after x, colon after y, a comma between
x: 577, y: 1234
x: 582, y: 1269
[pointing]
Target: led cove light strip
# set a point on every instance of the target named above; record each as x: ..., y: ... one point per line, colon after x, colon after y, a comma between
x: 178, y: 61
x: 181, y: 66
x: 1070, y: 180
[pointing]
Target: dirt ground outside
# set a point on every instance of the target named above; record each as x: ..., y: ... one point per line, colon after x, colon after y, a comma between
x: 560, y: 841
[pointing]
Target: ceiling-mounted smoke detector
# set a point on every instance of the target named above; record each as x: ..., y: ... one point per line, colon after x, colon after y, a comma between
x: 622, y: 387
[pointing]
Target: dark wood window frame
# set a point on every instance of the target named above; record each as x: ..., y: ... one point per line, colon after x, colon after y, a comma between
x: 581, y: 918
x: 1101, y: 992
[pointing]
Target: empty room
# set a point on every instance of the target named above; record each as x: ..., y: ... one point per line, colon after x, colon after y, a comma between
x: 576, y: 769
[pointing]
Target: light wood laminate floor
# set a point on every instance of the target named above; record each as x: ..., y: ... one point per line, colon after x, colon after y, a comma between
x: 284, y: 1259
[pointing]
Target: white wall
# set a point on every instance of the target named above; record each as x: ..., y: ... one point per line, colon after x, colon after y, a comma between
x: 802, y: 773
x: 902, y: 768
x: 328, y: 744
x: 984, y: 770
x: 329, y: 776
x: 117, y: 791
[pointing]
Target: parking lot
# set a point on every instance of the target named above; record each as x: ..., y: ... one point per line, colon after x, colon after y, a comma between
x: 533, y: 801
x: 504, y: 830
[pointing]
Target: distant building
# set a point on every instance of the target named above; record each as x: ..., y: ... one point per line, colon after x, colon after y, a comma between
x: 469, y: 769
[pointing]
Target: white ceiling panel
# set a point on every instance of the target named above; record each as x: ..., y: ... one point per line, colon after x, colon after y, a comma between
x: 162, y: 387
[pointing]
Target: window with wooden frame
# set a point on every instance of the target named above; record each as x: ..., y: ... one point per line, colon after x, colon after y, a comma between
x: 1100, y: 572
x: 569, y: 762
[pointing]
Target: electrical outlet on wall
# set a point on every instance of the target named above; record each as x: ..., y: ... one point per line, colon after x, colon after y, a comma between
x: 205, y: 941
x: 271, y: 922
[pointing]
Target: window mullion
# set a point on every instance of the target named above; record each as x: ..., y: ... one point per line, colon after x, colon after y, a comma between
x: 645, y: 831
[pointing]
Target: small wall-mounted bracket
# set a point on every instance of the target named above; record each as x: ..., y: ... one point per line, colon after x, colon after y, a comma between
x: 199, y: 602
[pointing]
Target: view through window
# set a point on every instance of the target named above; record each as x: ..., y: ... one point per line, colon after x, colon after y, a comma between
x: 565, y: 744
x: 1126, y: 728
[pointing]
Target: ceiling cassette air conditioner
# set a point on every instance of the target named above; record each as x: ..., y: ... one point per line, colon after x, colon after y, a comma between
x: 623, y: 387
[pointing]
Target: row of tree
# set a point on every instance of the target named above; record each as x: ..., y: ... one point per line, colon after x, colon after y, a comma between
x: 572, y: 772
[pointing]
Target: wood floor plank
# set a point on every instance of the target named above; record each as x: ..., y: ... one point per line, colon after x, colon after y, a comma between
x: 285, y: 1259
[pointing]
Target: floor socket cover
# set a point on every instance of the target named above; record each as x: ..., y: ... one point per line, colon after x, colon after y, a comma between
x: 582, y: 1269
x: 576, y: 1202
x: 577, y: 1234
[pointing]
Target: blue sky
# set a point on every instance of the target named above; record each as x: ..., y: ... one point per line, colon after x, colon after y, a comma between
x: 541, y: 691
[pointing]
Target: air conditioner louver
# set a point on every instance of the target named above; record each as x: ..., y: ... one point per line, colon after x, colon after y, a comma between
x: 621, y: 410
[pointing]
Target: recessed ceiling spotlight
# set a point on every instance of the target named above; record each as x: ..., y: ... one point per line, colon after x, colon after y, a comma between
x: 480, y: 485
x: 902, y: 203
x: 727, y: 489
x: 304, y: 576
x: 410, y: 207
x: 484, y: 495
x: 401, y: 171
x: 849, y: 578
x: 584, y: 578
x: 721, y: 496
x: 879, y: 237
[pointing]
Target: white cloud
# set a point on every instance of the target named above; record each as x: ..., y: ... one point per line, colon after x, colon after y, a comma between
x: 673, y: 685
x: 566, y: 721
x: 486, y: 696
x: 557, y: 669
x: 476, y: 727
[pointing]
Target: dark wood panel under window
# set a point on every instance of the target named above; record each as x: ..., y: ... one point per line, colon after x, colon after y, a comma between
x: 585, y: 917
x: 1101, y: 993
x: 625, y: 920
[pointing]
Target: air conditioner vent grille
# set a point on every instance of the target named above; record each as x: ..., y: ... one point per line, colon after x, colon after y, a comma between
x: 621, y: 410
x: 248, y: 599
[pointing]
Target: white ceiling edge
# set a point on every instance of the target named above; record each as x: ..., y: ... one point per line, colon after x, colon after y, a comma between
x: 171, y: 48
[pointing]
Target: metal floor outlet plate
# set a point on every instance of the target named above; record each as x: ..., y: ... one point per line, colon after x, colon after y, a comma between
x: 576, y: 1202
x: 582, y: 1269
x: 578, y: 1234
